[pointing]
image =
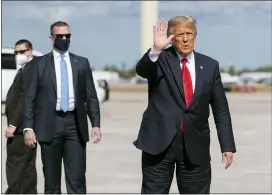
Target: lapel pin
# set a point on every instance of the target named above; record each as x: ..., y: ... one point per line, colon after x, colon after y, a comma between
x: 201, y: 67
x: 75, y: 60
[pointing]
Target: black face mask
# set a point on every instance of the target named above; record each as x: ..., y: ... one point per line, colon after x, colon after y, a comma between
x: 62, y: 44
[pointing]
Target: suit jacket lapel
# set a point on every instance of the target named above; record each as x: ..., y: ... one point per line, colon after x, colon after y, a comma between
x: 74, y: 66
x: 52, y: 70
x: 198, y: 77
x: 176, y: 69
x: 17, y: 75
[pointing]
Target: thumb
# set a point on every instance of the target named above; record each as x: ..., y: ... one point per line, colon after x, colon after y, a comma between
x: 223, y: 158
x: 170, y: 37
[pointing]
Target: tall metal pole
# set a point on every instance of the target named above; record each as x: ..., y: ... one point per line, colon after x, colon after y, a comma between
x: 149, y: 17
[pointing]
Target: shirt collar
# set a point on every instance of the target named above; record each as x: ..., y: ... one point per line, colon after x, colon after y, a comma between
x: 190, y: 57
x: 57, y: 54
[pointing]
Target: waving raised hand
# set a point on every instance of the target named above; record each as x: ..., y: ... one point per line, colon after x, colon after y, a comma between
x: 161, y: 40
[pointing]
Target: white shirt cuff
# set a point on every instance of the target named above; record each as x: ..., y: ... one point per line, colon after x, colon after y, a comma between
x: 12, y: 126
x: 154, y: 55
x: 27, y: 129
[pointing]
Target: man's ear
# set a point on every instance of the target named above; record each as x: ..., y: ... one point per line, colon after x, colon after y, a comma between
x: 51, y: 39
x: 31, y: 52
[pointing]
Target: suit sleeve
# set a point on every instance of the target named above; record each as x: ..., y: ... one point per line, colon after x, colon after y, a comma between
x: 92, y: 103
x: 147, y: 65
x: 16, y: 119
x: 30, y: 84
x: 221, y: 115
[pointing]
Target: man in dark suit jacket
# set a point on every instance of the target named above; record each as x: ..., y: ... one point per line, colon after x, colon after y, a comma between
x: 61, y: 94
x: 175, y: 130
x: 21, y: 160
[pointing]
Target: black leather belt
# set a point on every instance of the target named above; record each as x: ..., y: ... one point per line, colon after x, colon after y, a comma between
x: 64, y: 114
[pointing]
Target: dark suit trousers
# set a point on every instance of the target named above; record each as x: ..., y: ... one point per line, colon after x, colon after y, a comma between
x: 158, y: 171
x: 66, y: 145
x: 20, y: 166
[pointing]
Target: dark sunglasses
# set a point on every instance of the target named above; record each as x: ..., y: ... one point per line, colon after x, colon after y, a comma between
x: 60, y: 36
x: 20, y: 51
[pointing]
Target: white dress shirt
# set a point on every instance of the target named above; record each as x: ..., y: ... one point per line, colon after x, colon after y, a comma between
x: 57, y: 58
x: 153, y: 56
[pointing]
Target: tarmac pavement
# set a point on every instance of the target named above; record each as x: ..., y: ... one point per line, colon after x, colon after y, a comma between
x: 113, y: 165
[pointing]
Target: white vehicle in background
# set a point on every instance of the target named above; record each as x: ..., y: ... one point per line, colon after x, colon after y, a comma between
x: 256, y: 77
x: 229, y: 81
x: 138, y: 80
x: 9, y: 70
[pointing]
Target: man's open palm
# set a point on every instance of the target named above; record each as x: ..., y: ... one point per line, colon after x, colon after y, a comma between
x: 160, y: 35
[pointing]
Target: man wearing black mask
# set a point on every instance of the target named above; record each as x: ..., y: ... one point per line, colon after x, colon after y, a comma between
x: 60, y: 96
x: 21, y: 161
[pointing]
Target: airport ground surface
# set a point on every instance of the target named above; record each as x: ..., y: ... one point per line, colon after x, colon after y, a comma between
x: 113, y: 166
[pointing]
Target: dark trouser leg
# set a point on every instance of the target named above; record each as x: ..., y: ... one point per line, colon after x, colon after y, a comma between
x: 30, y: 179
x: 52, y: 153
x: 158, y: 171
x: 51, y: 159
x: 19, y: 160
x: 193, y: 179
x: 74, y: 159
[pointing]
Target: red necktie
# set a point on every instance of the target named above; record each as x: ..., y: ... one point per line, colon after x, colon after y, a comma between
x: 187, y: 85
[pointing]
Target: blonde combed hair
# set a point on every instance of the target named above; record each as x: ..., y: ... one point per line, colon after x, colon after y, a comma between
x: 180, y: 20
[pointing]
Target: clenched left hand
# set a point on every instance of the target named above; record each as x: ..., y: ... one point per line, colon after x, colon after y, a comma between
x: 227, y: 157
x: 9, y: 132
x: 96, y: 135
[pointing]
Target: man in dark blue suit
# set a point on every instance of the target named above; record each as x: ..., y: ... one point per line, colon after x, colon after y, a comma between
x: 175, y: 131
x: 61, y: 94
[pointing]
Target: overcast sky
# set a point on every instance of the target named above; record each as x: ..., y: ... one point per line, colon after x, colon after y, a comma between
x: 109, y: 32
